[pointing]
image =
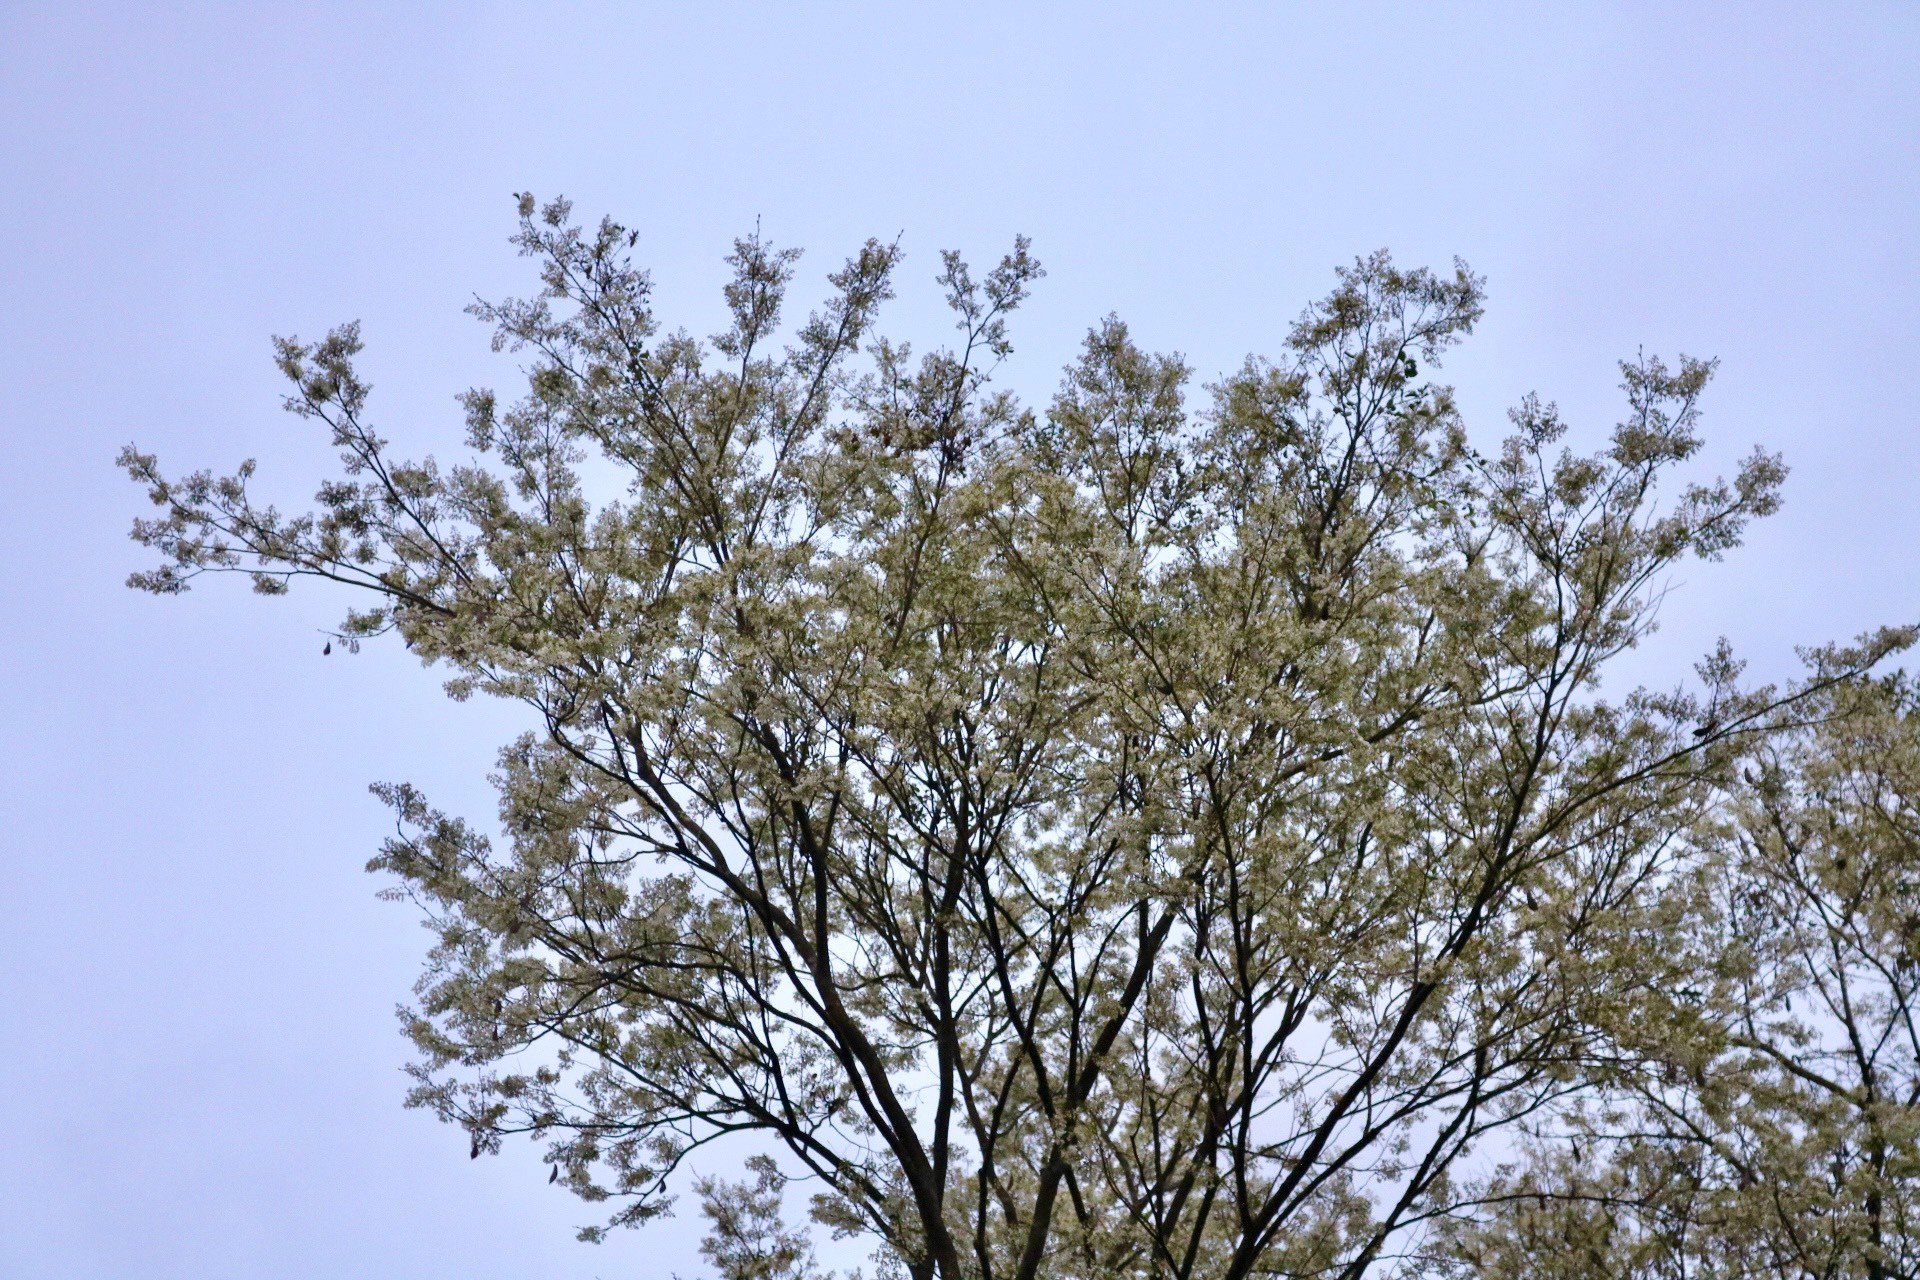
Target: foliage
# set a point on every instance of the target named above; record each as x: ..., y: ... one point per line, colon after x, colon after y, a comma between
x: 1781, y: 1135
x: 1137, y: 838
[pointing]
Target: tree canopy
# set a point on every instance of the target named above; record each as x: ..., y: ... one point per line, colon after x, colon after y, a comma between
x: 1164, y: 833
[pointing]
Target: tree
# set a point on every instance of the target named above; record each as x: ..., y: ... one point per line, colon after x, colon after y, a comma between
x: 1780, y: 1134
x: 1123, y: 839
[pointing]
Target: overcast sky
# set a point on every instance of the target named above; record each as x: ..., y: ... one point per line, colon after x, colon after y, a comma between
x: 199, y: 1064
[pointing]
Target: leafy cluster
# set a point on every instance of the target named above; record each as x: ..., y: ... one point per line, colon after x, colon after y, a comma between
x: 1774, y: 1130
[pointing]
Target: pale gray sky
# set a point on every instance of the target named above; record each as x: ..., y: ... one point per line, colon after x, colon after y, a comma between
x: 200, y: 1075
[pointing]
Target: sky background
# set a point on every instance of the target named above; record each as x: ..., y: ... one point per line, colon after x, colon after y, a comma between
x: 199, y: 1064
